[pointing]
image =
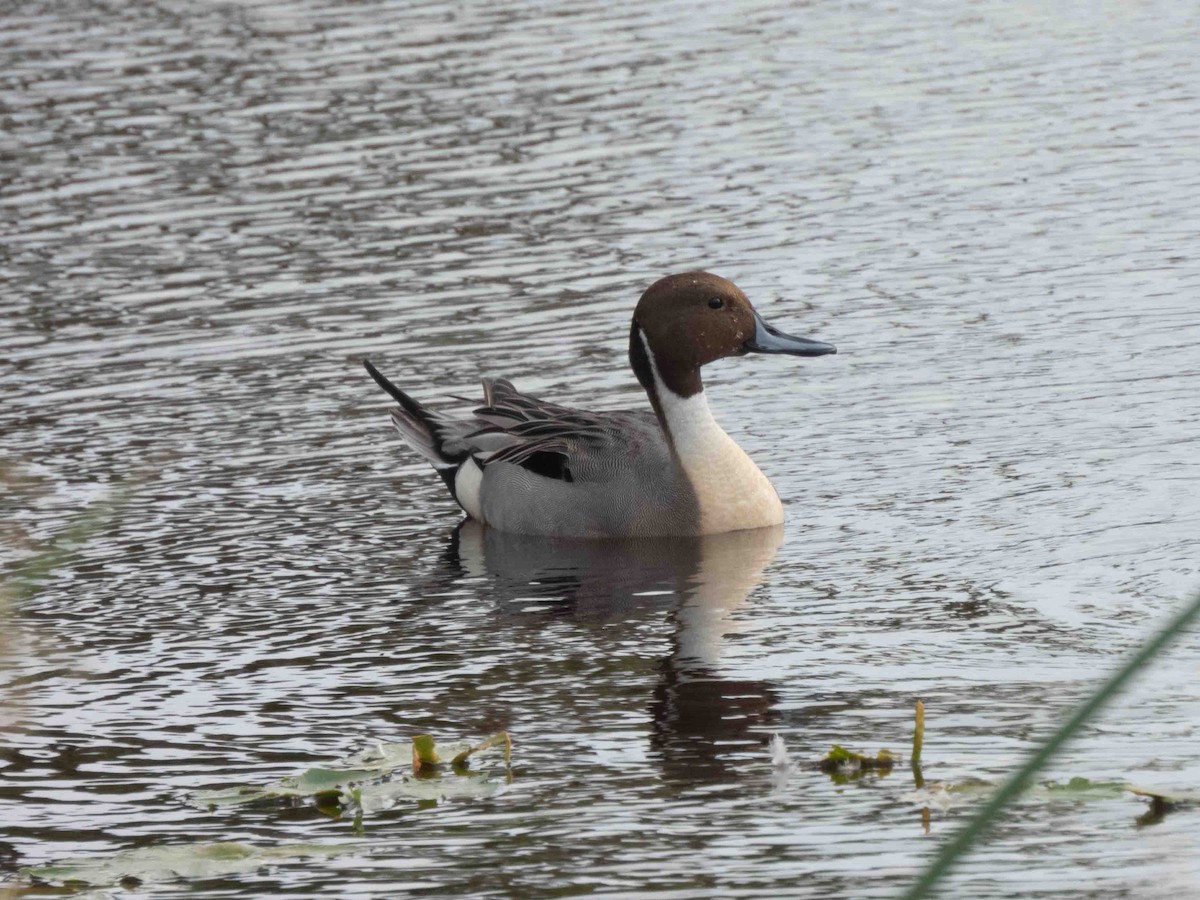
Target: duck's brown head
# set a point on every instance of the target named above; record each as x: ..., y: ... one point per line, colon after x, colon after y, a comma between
x: 686, y: 321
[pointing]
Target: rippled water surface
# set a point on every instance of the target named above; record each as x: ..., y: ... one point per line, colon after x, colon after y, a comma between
x: 211, y: 212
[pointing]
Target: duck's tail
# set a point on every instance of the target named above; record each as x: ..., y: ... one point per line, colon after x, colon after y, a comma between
x: 435, y: 436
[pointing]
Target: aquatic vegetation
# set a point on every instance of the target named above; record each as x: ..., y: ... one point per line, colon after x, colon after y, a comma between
x: 426, y: 758
x: 372, y: 780
x: 918, y: 741
x: 977, y: 826
x: 945, y: 796
x: 381, y: 776
x: 1161, y: 803
x: 155, y: 865
x: 845, y: 765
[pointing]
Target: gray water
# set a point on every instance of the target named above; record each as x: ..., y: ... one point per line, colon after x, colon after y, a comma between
x: 211, y: 213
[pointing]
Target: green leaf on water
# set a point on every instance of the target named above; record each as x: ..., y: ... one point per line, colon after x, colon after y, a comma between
x: 380, y: 757
x: 971, y: 787
x: 940, y: 796
x: 1078, y: 789
x: 159, y: 864
x: 378, y: 796
x: 375, y: 779
x: 1083, y: 789
x: 317, y: 782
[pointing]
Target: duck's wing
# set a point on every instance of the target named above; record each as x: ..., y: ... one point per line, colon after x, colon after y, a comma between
x: 513, y: 428
x: 555, y: 441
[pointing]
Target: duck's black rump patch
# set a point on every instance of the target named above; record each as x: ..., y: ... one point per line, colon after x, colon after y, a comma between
x: 548, y: 464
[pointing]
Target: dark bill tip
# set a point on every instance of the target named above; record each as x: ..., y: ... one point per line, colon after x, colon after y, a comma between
x: 771, y: 340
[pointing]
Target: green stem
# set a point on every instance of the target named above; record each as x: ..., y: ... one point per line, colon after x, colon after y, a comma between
x: 983, y: 819
x: 918, y: 733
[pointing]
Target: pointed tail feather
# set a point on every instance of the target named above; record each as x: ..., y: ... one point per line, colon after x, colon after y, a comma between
x: 418, y: 425
x: 411, y: 406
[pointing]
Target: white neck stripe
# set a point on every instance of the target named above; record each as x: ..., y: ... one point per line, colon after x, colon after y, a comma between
x: 687, y: 420
x: 658, y: 382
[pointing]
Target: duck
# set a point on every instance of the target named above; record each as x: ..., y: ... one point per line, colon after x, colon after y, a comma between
x: 527, y: 466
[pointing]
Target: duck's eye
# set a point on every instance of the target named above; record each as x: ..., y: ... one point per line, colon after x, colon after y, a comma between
x: 716, y: 302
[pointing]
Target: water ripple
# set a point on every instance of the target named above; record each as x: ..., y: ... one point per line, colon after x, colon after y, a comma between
x: 210, y: 214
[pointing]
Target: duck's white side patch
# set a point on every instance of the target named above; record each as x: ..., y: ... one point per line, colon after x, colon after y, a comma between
x: 467, y: 488
x: 733, y: 493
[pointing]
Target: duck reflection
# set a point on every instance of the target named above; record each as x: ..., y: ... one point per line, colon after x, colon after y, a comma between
x: 699, y: 717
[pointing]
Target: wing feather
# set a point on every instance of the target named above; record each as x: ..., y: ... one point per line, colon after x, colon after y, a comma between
x: 547, y: 439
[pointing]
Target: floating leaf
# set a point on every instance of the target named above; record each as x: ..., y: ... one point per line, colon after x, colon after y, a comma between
x: 1083, y: 789
x: 380, y: 757
x: 159, y: 864
x: 370, y: 780
x: 317, y: 782
x: 378, y: 796
x: 945, y: 796
x: 930, y: 796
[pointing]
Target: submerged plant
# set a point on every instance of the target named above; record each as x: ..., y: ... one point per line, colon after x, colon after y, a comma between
x: 376, y: 779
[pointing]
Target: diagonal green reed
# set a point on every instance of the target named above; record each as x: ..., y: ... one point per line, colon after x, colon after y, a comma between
x: 975, y: 828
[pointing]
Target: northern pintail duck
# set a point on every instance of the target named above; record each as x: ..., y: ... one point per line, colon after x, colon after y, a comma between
x: 524, y: 465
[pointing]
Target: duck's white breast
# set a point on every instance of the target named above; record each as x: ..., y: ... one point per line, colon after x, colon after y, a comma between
x: 731, y: 490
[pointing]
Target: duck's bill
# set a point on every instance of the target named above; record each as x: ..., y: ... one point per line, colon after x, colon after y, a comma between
x: 768, y: 339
